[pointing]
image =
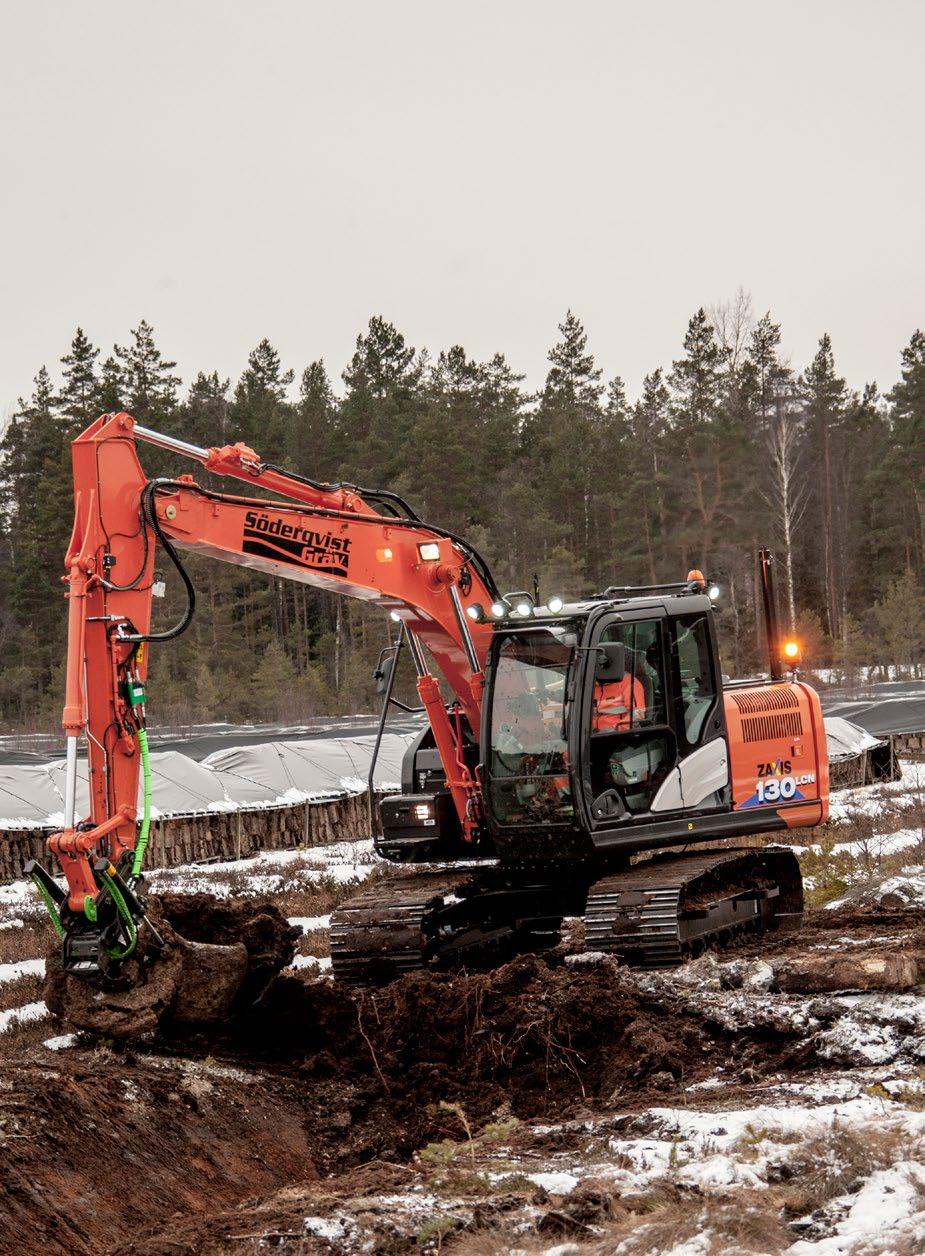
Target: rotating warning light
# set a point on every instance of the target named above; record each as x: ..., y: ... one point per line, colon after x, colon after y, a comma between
x: 792, y: 651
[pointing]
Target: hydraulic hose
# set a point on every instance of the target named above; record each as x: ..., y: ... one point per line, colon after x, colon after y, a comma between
x: 51, y: 906
x: 142, y: 843
x: 148, y: 510
x: 122, y: 910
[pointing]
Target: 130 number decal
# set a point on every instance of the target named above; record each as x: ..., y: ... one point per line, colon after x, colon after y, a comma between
x: 776, y: 788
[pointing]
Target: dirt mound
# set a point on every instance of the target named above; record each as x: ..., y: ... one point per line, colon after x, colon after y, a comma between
x: 219, y: 958
x: 527, y: 1039
x: 335, y: 1081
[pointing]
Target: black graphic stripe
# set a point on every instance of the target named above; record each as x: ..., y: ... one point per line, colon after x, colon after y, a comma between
x: 294, y: 552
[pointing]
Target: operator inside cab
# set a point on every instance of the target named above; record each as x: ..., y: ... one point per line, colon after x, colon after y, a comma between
x: 619, y: 704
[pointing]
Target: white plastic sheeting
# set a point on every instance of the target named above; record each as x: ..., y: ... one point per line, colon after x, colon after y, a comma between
x: 846, y: 740
x: 267, y: 775
x: 271, y: 774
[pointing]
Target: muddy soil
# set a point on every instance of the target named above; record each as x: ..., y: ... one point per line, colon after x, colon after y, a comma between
x: 202, y: 1142
x: 218, y: 956
x: 94, y: 1148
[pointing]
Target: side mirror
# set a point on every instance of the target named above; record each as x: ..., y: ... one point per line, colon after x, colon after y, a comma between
x: 383, y: 673
x: 611, y: 662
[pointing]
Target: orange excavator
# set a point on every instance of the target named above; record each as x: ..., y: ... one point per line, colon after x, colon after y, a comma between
x: 592, y: 762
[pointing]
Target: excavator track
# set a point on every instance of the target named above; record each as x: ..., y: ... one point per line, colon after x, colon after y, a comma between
x: 659, y: 912
x: 383, y: 927
x: 654, y: 914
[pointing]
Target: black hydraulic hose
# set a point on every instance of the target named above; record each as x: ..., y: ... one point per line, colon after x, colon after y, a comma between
x: 381, y: 496
x: 150, y: 514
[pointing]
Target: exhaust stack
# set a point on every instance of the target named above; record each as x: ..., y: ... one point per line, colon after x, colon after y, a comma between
x: 772, y: 627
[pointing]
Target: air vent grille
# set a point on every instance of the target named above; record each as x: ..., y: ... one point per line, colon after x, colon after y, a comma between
x: 771, y: 727
x: 774, y: 698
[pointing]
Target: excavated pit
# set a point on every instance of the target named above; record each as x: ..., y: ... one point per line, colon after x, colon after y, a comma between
x: 304, y: 1085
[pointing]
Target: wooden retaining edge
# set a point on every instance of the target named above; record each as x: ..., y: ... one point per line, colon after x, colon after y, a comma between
x: 908, y: 745
x: 218, y: 835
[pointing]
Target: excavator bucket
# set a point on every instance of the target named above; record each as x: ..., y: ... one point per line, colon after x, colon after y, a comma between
x: 208, y: 961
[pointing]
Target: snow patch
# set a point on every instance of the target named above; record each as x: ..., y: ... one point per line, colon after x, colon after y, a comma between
x: 22, y: 1015
x: 22, y: 968
x: 555, y: 1183
x: 61, y: 1042
x: 321, y: 962
x: 310, y: 924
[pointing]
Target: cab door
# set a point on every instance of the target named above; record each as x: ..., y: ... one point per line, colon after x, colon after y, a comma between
x: 701, y: 779
x: 630, y: 745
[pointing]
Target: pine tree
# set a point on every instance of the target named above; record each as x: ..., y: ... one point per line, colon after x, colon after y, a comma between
x: 112, y: 391
x: 907, y: 462
x: 150, y: 387
x: 644, y: 474
x: 275, y: 682
x: 694, y: 378
x: 80, y: 389
x: 695, y: 447
x: 573, y: 377
x: 382, y: 363
x: 36, y: 500
x: 312, y: 436
x: 900, y: 620
x: 467, y: 406
x: 381, y: 408
x: 205, y: 415
x: 261, y: 412
x: 824, y: 397
x: 564, y: 442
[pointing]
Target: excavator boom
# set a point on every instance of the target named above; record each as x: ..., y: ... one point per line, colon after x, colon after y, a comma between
x: 368, y: 546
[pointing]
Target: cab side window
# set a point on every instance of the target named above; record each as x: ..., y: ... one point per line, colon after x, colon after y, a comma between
x: 643, y: 686
x: 631, y: 746
x: 693, y: 659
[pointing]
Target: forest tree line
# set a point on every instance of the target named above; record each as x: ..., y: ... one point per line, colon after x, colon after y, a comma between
x: 727, y: 447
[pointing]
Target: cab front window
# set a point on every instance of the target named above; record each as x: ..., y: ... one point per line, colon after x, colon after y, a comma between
x: 528, y: 751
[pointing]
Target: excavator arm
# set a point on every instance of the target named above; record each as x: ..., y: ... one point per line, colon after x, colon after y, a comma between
x: 367, y: 545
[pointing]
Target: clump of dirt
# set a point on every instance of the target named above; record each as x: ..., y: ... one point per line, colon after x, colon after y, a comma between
x: 218, y: 958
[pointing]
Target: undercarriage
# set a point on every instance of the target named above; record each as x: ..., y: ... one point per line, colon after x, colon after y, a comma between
x: 653, y: 913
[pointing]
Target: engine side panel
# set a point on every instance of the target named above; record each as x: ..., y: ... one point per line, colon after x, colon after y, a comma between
x: 778, y: 751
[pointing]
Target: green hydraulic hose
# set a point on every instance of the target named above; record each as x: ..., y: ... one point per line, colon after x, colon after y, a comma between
x: 122, y: 908
x: 52, y: 907
x: 124, y: 915
x: 146, y: 805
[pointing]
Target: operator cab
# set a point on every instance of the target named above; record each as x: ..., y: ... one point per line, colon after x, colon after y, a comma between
x: 602, y: 722
x: 603, y: 726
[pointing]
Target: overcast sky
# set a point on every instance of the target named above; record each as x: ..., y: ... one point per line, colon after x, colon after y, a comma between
x: 469, y: 170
